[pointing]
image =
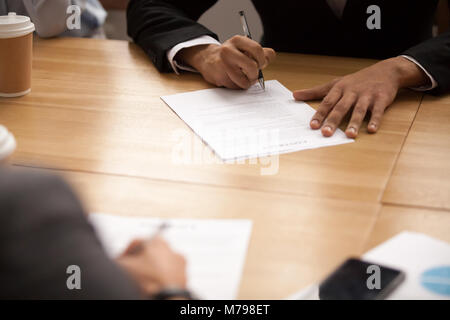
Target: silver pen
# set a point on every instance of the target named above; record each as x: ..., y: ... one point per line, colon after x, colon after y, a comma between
x: 248, y: 35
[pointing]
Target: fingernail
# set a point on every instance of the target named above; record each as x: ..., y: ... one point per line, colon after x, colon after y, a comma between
x: 351, y: 130
x: 327, y: 131
x: 315, y: 123
x: 372, y: 126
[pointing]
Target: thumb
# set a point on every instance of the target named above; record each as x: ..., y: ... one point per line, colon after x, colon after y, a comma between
x: 270, y: 55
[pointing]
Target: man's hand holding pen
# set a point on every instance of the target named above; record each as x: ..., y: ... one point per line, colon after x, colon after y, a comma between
x: 235, y: 64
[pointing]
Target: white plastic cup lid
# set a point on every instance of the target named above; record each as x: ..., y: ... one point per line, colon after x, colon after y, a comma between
x: 13, y: 26
x: 7, y: 143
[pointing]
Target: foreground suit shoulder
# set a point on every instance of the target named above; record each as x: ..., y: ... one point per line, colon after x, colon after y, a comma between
x: 43, y: 230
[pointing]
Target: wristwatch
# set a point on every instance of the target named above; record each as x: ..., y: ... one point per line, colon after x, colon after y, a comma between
x: 173, y: 293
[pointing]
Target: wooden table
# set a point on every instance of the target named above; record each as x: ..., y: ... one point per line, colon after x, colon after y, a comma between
x: 422, y: 175
x: 95, y: 117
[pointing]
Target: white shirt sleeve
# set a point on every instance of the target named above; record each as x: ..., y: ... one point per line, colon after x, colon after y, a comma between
x: 433, y: 82
x: 187, y: 44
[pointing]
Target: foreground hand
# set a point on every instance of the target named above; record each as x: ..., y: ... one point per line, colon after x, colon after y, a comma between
x: 235, y: 64
x: 154, y: 266
x: 370, y: 89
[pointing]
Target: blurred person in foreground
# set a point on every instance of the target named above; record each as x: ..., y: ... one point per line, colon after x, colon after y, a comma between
x: 44, y: 230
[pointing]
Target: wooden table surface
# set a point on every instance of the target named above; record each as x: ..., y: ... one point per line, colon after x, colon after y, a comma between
x: 95, y: 117
x: 422, y: 174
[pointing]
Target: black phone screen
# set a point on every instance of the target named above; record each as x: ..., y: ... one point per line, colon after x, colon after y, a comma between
x: 360, y: 280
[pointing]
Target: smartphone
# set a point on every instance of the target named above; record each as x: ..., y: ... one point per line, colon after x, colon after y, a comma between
x: 360, y: 280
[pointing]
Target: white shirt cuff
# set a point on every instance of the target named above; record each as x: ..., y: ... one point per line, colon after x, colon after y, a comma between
x: 187, y: 44
x: 433, y: 82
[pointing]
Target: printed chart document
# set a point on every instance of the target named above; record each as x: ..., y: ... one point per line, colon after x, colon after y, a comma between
x: 215, y: 250
x: 252, y: 123
x: 424, y: 260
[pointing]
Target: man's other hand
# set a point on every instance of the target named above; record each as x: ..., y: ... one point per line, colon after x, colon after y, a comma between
x: 371, y: 89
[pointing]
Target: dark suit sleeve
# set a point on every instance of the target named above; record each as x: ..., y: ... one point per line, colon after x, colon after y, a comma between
x: 434, y: 56
x: 43, y: 231
x: 159, y: 25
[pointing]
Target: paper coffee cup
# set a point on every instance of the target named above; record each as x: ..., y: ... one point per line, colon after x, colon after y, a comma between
x: 7, y: 145
x: 16, y: 53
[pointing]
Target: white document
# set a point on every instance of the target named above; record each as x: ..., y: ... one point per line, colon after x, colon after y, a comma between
x: 424, y: 260
x: 215, y: 250
x: 252, y: 123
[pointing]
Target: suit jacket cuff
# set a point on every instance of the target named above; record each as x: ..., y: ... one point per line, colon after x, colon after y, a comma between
x: 187, y: 44
x: 433, y: 83
x: 156, y: 46
x: 433, y: 55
